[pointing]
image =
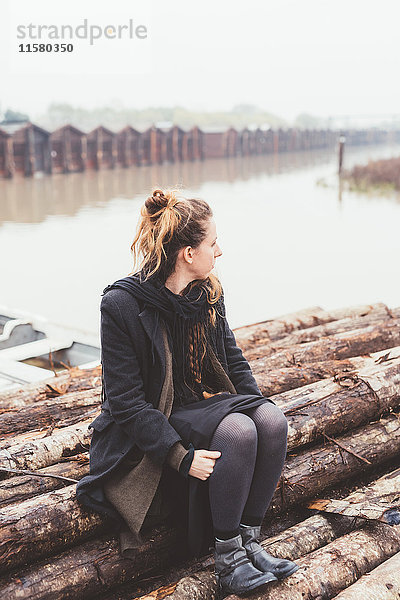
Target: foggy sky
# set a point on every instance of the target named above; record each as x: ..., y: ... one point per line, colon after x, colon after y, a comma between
x: 286, y: 56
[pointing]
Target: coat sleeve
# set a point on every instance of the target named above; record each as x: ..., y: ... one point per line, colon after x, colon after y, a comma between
x: 239, y: 369
x: 123, y: 383
x: 176, y: 456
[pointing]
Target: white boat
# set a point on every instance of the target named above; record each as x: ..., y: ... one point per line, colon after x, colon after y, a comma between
x: 33, y: 348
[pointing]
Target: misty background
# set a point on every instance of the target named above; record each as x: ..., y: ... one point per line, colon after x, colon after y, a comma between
x: 288, y: 231
x: 312, y: 64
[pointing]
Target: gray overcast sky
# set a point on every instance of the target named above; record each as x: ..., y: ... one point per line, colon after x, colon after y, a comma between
x: 288, y: 57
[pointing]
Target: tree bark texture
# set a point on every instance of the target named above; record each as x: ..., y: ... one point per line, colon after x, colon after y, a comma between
x: 382, y: 583
x: 312, y: 334
x: 328, y: 570
x: 310, y: 471
x: 73, y: 380
x: 281, y: 380
x: 340, y: 346
x: 41, y: 452
x: 22, y: 487
x: 380, y: 501
x: 95, y: 566
x: 279, y: 327
x: 44, y: 524
x: 325, y: 408
x: 47, y: 412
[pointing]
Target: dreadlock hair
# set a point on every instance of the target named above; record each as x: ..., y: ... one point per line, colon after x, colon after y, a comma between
x: 169, y: 222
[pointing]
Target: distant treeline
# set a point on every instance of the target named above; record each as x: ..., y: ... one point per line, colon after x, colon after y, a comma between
x: 116, y: 117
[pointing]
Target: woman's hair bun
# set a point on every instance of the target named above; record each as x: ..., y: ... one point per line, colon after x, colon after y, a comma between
x: 159, y: 198
x: 158, y: 201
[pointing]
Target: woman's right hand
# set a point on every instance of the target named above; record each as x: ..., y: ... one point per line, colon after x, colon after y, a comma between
x: 203, y: 463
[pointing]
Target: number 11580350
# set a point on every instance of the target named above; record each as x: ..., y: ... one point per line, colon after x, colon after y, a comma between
x: 45, y: 47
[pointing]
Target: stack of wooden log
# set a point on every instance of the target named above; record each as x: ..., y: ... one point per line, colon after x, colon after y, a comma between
x: 336, y: 510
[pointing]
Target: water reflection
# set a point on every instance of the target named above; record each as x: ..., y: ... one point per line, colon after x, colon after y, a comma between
x: 32, y: 200
x: 287, y: 242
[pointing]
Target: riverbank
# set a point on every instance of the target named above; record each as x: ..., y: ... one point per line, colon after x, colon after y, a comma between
x: 376, y: 176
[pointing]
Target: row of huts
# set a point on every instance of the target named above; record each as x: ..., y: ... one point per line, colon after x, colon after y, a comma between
x: 26, y: 148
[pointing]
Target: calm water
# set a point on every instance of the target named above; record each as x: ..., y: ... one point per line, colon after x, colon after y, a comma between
x: 288, y: 243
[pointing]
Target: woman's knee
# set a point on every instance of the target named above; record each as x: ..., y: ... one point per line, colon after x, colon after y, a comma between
x: 238, y: 428
x: 273, y: 418
x: 280, y: 417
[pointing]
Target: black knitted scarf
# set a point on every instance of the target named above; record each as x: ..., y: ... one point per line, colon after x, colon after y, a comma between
x: 187, y: 320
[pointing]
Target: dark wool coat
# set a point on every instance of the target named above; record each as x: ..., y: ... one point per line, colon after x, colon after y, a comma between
x: 134, y: 369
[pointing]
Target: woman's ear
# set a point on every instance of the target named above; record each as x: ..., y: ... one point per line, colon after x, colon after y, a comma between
x: 188, y: 254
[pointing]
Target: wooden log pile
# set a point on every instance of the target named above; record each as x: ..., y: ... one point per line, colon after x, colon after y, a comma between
x: 336, y: 509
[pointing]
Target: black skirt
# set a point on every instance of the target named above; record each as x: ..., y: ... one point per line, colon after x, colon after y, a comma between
x: 196, y: 423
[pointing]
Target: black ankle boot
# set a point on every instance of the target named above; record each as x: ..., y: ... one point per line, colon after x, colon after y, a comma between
x: 280, y: 567
x: 234, y: 571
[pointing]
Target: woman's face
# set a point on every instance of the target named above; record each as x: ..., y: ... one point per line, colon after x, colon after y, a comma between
x: 204, y: 256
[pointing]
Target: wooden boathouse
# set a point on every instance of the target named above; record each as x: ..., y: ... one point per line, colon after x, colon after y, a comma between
x: 170, y: 146
x: 195, y: 144
x: 219, y: 142
x: 145, y: 154
x: 6, y: 155
x: 101, y: 149
x: 157, y: 145
x: 231, y: 142
x: 176, y: 144
x: 68, y: 150
x: 128, y: 147
x: 27, y: 149
x: 31, y: 147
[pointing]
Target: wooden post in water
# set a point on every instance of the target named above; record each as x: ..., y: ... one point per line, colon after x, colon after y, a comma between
x: 342, y: 141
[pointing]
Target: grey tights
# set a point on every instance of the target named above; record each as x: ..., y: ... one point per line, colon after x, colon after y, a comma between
x: 253, y: 450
